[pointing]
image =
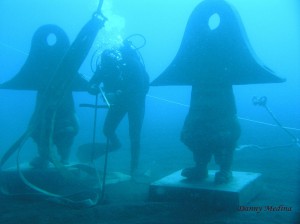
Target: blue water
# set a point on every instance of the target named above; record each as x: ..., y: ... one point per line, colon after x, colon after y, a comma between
x: 272, y: 28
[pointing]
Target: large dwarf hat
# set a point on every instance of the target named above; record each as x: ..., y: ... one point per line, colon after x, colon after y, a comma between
x: 215, y: 54
x: 48, y: 47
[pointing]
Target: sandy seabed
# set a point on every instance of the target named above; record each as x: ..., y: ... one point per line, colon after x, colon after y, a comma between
x: 127, y: 202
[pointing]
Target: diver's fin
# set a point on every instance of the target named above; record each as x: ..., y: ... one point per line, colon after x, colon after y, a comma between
x: 220, y: 54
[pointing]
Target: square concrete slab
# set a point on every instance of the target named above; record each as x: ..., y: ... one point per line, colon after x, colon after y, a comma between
x: 242, y: 189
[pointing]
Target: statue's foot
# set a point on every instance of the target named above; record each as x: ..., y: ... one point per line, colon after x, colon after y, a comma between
x: 195, y: 173
x: 223, y: 177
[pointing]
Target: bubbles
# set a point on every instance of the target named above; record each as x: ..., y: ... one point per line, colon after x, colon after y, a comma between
x: 111, y: 35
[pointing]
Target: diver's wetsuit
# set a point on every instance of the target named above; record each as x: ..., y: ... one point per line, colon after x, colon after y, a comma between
x: 211, y: 127
x: 126, y: 84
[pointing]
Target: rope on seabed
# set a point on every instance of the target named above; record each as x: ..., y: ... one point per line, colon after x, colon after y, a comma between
x: 241, y: 118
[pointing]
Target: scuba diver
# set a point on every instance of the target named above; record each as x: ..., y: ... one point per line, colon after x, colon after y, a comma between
x: 125, y: 83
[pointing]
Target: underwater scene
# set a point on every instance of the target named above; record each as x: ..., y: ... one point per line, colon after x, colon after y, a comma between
x: 150, y: 112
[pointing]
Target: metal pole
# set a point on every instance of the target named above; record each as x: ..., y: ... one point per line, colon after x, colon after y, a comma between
x: 105, y: 169
x: 106, y: 151
x: 94, y: 126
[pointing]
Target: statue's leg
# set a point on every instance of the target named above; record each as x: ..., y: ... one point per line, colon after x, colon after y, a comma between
x: 224, y: 158
x: 202, y: 156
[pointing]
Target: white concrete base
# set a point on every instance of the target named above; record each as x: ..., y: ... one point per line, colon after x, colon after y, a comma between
x: 243, y: 188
